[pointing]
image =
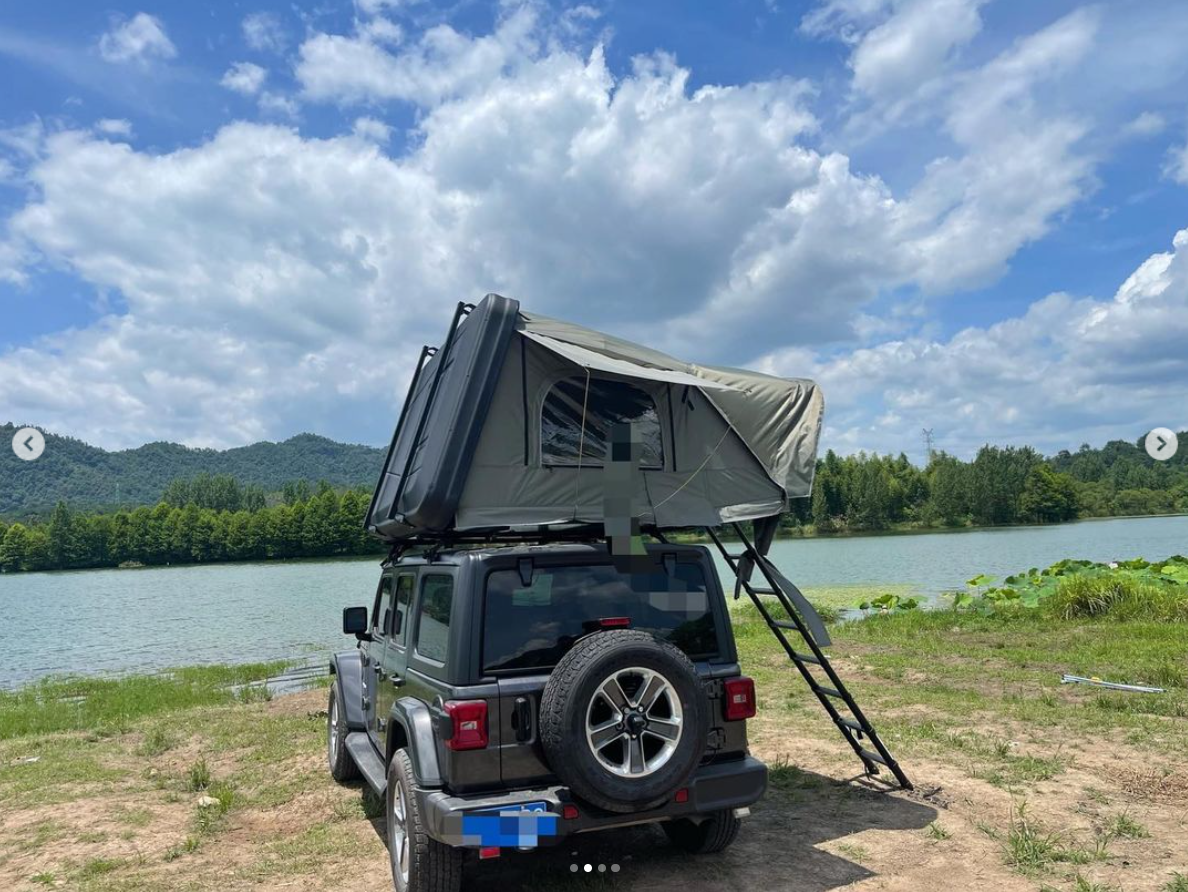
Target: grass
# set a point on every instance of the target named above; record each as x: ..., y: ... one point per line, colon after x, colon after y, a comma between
x: 855, y: 853
x: 1080, y: 884
x: 1178, y: 883
x: 107, y: 706
x: 157, y: 741
x: 938, y: 833
x: 1118, y: 598
x: 1030, y: 849
x: 949, y: 665
x: 198, y: 776
x: 1125, y: 827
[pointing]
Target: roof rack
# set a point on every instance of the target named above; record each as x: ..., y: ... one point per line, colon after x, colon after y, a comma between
x: 544, y: 535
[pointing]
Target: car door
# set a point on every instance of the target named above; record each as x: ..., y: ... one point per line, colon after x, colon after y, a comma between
x: 390, y: 674
x: 381, y: 618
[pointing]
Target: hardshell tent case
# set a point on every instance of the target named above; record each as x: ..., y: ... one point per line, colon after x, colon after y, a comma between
x: 505, y: 426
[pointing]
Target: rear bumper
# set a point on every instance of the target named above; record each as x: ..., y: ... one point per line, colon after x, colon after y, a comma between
x: 715, y: 787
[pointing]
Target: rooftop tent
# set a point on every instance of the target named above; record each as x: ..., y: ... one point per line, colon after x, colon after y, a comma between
x: 507, y: 423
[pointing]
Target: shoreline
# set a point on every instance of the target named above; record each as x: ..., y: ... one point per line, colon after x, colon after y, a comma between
x: 678, y: 537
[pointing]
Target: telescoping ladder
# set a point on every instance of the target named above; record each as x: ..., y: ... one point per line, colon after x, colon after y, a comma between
x: 834, y: 696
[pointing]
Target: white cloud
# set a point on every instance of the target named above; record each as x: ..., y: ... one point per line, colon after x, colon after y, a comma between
x: 273, y: 282
x: 376, y: 7
x: 278, y: 105
x: 372, y: 130
x: 139, y: 39
x: 264, y: 31
x: 442, y: 64
x: 381, y: 30
x: 911, y: 47
x: 114, y: 126
x: 1003, y: 91
x: 1067, y: 371
x: 1177, y: 164
x: 244, y: 77
x: 1146, y: 124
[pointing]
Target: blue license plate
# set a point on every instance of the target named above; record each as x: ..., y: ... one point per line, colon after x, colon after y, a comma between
x: 518, y: 825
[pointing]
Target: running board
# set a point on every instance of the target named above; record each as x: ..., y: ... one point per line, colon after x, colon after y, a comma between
x: 358, y: 744
x: 803, y: 624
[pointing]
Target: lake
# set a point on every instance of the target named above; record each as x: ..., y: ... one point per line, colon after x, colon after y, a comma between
x: 118, y: 620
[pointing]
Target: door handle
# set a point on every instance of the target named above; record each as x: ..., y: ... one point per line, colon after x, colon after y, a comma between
x: 522, y: 719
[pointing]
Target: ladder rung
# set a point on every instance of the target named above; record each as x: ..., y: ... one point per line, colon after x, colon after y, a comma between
x: 786, y: 624
x: 764, y: 591
x: 806, y: 658
x: 829, y: 692
x: 873, y: 757
x: 851, y: 724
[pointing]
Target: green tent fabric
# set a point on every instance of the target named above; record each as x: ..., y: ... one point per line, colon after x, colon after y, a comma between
x: 520, y: 412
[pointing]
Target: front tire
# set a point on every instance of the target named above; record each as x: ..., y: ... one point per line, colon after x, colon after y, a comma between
x: 342, y: 766
x: 419, y: 863
x: 713, y: 834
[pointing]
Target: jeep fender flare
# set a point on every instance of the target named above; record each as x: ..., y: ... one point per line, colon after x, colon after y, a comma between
x: 346, y: 674
x: 416, y: 736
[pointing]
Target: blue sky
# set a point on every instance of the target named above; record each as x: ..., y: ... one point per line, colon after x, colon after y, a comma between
x: 223, y: 223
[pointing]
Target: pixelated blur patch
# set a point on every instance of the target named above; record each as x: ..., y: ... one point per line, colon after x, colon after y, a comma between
x: 519, y: 827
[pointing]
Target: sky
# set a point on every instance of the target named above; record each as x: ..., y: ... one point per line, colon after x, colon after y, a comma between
x: 222, y: 223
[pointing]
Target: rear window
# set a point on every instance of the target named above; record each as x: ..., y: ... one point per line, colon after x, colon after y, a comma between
x: 531, y: 627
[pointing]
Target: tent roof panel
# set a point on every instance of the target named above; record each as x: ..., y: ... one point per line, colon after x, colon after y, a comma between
x: 591, y: 359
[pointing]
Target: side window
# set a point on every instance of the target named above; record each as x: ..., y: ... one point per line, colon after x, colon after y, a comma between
x: 381, y: 614
x: 433, y: 622
x: 404, y: 590
x: 563, y: 435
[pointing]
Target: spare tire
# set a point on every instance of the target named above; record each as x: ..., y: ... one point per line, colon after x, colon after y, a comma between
x: 623, y: 720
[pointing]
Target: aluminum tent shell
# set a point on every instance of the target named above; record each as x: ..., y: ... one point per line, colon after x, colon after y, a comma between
x: 468, y: 454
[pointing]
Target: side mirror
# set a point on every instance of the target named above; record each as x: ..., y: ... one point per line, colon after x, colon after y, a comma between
x: 354, y: 622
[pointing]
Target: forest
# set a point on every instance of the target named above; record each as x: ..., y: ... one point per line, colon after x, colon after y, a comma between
x: 206, y: 519
x: 1000, y: 486
x: 217, y: 517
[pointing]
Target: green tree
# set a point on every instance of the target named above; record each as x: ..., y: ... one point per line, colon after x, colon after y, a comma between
x: 14, y: 548
x: 1048, y: 496
x: 949, y: 490
x: 66, y: 548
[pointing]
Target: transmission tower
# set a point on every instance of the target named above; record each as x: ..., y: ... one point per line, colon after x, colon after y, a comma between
x: 927, y: 446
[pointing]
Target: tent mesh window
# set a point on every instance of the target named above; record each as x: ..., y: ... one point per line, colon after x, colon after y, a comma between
x: 608, y: 402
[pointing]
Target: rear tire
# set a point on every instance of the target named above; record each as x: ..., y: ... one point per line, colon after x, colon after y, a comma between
x: 342, y: 766
x: 713, y: 834
x: 419, y: 863
x: 616, y: 772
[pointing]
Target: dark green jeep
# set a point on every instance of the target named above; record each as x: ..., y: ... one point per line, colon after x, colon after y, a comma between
x: 510, y: 696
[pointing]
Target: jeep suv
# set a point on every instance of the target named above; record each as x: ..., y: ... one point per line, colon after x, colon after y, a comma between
x: 509, y: 696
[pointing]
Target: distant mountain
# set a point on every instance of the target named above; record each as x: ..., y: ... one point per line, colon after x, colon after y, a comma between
x: 86, y: 476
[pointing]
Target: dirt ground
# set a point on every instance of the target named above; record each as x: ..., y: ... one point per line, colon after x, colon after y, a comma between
x: 131, y: 823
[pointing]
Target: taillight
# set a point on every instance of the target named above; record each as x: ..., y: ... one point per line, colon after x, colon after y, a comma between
x: 470, y: 724
x: 614, y: 622
x: 740, y: 698
x: 607, y: 622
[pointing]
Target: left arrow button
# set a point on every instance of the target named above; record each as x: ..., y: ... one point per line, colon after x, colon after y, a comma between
x: 28, y: 443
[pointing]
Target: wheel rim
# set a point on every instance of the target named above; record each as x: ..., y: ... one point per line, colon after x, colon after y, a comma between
x: 333, y: 728
x: 398, y: 841
x: 634, y: 722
